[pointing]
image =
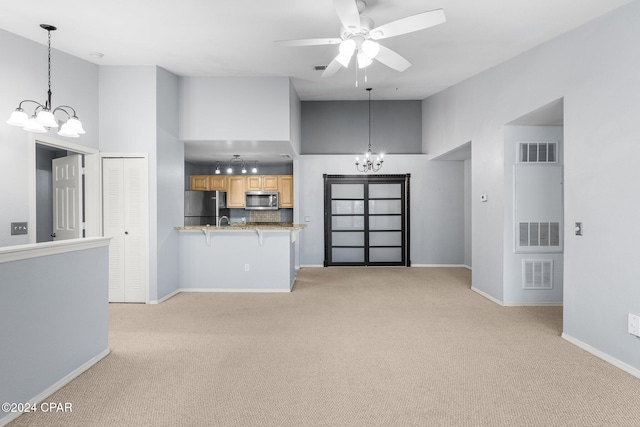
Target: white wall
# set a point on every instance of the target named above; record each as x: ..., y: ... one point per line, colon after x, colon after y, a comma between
x: 235, y: 108
x: 74, y: 82
x: 437, y: 205
x: 595, y: 69
x: 295, y: 120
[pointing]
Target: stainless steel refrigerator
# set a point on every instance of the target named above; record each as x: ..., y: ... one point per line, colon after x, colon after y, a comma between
x: 204, y: 207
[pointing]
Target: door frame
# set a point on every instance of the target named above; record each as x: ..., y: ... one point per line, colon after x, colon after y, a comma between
x: 92, y: 181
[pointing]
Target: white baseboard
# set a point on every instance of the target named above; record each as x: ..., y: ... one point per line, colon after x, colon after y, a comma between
x: 231, y: 290
x: 604, y: 356
x: 532, y: 304
x: 56, y: 386
x: 516, y: 304
x: 166, y: 297
x: 438, y: 265
x: 487, y: 296
x: 311, y: 266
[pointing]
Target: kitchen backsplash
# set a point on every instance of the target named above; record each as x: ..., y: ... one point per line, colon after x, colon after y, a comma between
x: 264, y: 216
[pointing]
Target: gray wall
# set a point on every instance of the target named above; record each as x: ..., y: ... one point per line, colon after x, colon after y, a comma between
x: 74, y: 82
x: 437, y: 205
x: 342, y: 127
x: 467, y: 214
x: 55, y: 319
x: 170, y: 177
x: 595, y: 69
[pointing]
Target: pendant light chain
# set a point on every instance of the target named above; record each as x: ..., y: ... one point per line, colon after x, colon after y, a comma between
x: 368, y: 164
x: 48, y: 106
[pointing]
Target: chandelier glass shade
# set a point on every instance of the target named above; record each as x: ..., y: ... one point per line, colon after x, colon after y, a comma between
x: 368, y: 164
x: 43, y: 117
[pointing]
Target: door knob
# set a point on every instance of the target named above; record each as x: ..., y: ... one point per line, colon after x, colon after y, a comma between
x: 126, y: 232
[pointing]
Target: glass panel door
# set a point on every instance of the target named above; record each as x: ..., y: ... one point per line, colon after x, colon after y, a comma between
x: 366, y: 220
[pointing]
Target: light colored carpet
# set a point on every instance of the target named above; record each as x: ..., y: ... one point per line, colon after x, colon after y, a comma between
x: 349, y: 347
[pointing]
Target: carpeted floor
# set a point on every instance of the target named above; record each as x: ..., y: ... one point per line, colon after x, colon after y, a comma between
x: 349, y: 347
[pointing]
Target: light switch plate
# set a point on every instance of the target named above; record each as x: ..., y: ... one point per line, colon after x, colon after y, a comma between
x: 19, y: 228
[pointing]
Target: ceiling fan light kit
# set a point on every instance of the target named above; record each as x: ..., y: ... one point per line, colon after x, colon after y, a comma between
x: 359, y: 36
x: 43, y: 117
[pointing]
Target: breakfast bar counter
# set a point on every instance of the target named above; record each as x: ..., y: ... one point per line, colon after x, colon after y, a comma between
x: 238, y: 258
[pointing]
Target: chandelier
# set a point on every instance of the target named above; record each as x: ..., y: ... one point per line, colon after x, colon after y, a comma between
x: 236, y: 160
x: 43, y: 118
x: 369, y: 165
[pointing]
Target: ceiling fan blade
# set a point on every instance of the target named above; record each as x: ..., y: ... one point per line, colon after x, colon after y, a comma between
x: 408, y: 25
x: 347, y: 11
x: 307, y: 42
x: 392, y: 59
x: 332, y: 68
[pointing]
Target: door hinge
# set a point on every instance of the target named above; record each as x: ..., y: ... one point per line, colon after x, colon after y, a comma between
x: 82, y: 171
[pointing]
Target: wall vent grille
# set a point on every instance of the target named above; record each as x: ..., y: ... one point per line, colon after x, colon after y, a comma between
x: 538, y: 152
x: 539, y: 234
x: 537, y: 274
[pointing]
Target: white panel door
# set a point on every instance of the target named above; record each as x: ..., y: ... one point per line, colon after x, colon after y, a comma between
x: 67, y: 197
x: 125, y: 219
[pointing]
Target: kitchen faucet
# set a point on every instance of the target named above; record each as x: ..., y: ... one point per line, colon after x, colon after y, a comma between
x: 221, y: 218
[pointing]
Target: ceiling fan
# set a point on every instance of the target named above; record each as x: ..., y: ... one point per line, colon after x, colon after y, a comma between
x: 359, y: 37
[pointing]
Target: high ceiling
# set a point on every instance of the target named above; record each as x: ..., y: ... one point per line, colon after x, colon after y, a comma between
x: 235, y: 38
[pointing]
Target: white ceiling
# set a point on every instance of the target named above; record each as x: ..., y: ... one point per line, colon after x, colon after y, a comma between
x: 235, y: 38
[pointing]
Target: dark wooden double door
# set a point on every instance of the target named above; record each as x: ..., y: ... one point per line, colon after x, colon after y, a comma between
x: 366, y: 220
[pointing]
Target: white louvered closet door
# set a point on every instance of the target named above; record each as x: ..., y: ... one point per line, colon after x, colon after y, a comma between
x: 125, y: 219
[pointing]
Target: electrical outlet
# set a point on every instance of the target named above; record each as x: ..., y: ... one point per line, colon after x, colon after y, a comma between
x: 634, y: 325
x: 246, y: 267
x: 578, y: 229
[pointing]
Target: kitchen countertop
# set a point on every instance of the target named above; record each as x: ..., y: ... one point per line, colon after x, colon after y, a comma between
x: 237, y: 226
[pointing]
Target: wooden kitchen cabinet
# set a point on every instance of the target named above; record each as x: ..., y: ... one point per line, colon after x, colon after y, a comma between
x: 262, y: 183
x: 235, y: 194
x: 208, y: 183
x: 218, y: 183
x: 285, y: 190
x: 270, y: 183
x: 199, y: 182
x: 253, y: 183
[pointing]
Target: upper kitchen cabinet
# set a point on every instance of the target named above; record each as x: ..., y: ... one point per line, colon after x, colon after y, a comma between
x: 262, y: 183
x: 285, y: 190
x: 237, y: 188
x: 209, y: 183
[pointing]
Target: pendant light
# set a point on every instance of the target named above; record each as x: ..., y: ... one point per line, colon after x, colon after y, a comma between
x: 43, y: 117
x: 368, y: 165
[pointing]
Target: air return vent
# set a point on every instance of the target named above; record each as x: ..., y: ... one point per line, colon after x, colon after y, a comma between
x: 537, y: 274
x: 539, y: 234
x: 538, y: 152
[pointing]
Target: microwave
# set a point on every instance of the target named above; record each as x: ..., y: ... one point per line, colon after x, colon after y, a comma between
x: 261, y: 200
